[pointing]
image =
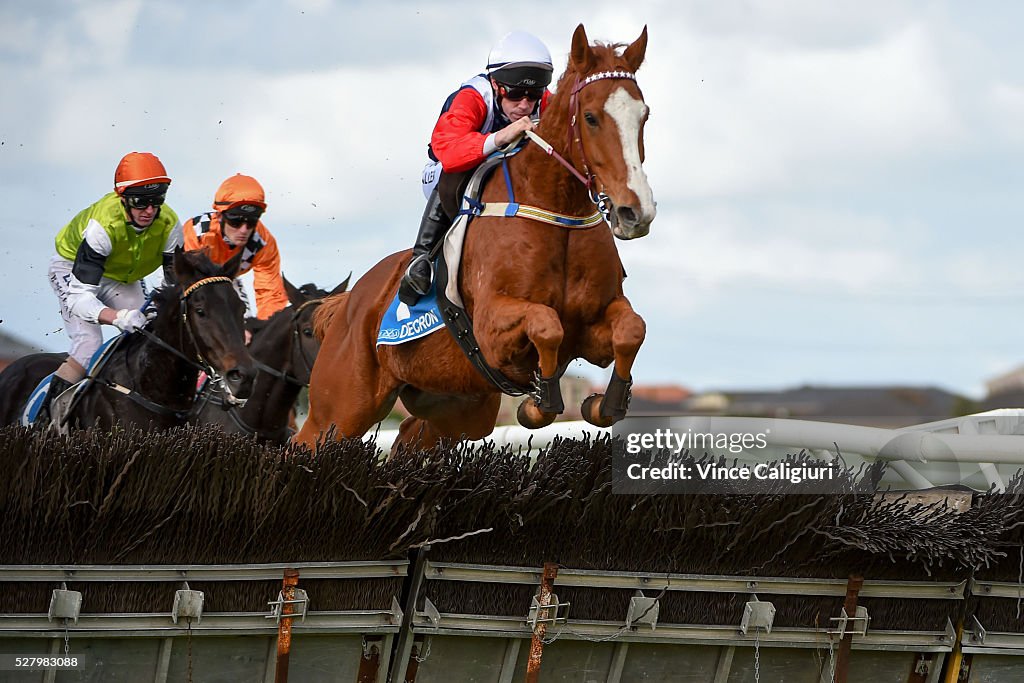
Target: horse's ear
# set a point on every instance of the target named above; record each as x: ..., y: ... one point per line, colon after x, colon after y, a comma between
x: 634, y: 54
x: 230, y: 267
x: 295, y: 295
x: 254, y: 325
x: 184, y: 271
x: 343, y: 287
x: 580, y: 54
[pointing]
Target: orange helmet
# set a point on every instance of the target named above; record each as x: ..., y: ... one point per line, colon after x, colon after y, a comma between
x: 141, y: 170
x: 242, y: 193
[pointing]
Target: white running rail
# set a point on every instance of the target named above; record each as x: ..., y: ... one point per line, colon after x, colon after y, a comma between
x: 978, y: 450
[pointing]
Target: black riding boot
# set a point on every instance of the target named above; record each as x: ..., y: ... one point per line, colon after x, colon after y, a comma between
x: 420, y: 272
x: 58, y: 385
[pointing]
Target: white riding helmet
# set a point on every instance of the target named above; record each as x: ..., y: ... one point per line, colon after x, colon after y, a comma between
x: 520, y: 59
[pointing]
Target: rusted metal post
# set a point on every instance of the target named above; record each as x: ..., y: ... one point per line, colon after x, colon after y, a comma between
x: 853, y: 586
x: 369, y: 663
x: 284, y: 626
x: 537, y: 644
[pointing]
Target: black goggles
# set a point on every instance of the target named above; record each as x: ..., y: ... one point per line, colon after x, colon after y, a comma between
x: 142, y: 201
x: 514, y: 94
x: 236, y: 220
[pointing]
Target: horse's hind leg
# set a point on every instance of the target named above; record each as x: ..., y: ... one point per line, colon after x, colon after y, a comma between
x: 620, y: 332
x: 447, y: 421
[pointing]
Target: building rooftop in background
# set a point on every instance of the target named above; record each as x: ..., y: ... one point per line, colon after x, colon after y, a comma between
x: 895, y: 406
x: 655, y: 399
x: 1012, y: 381
x: 1005, y: 391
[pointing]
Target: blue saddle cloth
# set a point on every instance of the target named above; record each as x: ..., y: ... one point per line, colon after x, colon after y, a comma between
x: 38, y: 395
x: 402, y: 323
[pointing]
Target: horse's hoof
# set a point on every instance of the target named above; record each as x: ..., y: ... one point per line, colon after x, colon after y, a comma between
x: 591, y: 409
x: 532, y: 417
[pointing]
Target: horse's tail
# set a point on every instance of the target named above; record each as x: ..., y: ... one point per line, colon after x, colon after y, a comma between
x: 326, y: 313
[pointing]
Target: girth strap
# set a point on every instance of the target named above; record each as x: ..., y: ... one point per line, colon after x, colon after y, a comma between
x: 461, y: 328
x: 459, y: 324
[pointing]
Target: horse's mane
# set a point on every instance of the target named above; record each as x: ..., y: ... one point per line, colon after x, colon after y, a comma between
x: 167, y: 294
x: 325, y: 313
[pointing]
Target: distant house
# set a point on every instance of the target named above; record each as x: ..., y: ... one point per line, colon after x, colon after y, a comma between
x: 1006, y: 382
x: 1005, y: 391
x: 12, y: 348
x: 891, y: 407
x: 656, y: 399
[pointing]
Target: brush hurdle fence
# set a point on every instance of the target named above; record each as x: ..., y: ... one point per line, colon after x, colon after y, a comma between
x: 431, y: 606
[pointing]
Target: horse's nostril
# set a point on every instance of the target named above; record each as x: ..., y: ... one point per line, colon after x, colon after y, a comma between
x: 627, y: 216
x: 233, y: 375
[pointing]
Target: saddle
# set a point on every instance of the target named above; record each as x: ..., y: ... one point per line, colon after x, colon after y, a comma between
x: 63, y: 404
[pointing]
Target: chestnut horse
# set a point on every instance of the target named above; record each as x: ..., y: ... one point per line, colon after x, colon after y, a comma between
x: 538, y: 295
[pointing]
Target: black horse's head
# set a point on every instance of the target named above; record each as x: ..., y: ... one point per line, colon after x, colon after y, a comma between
x: 212, y: 315
x: 304, y: 344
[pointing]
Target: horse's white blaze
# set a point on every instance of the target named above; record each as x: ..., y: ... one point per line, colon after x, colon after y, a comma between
x: 628, y: 113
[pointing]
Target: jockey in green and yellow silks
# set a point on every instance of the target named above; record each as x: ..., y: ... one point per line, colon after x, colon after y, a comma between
x: 102, y: 256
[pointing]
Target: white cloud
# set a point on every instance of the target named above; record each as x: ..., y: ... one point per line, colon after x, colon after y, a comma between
x: 314, y: 6
x: 1006, y: 102
x: 722, y: 248
x: 106, y: 27
x: 755, y: 118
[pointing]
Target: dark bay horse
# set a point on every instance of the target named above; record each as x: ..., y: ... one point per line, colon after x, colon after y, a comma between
x: 19, y: 379
x: 283, y: 348
x: 538, y: 295
x: 150, y: 378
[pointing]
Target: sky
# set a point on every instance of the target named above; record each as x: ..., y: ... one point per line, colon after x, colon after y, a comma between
x: 838, y: 184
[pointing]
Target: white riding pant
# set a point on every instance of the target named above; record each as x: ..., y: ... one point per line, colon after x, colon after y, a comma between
x: 431, y: 174
x: 86, y: 337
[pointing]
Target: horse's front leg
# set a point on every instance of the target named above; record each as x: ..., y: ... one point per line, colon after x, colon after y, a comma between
x: 617, y: 336
x: 507, y: 321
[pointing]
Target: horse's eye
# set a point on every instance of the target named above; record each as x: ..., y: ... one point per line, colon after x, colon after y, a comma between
x: 308, y: 331
x: 198, y: 310
x: 590, y: 119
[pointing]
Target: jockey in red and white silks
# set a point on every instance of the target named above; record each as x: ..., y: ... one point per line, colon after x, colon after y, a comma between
x: 486, y: 113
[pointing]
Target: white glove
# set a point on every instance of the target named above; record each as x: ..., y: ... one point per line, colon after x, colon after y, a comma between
x: 130, y: 319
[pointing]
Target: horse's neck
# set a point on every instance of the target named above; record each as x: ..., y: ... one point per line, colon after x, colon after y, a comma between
x: 539, y: 180
x: 161, y: 367
x: 272, y: 345
x: 271, y: 402
x: 272, y: 397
